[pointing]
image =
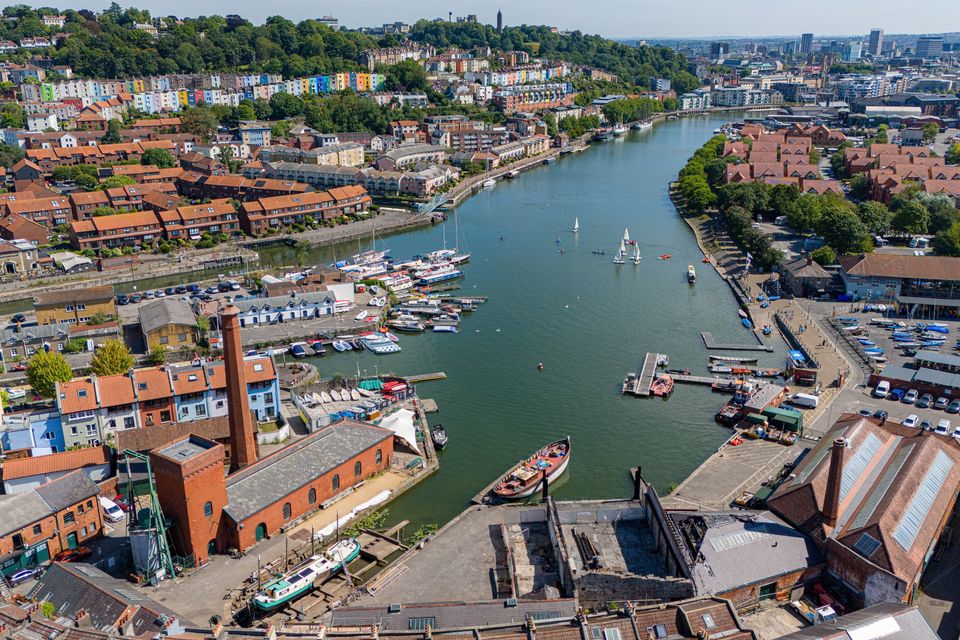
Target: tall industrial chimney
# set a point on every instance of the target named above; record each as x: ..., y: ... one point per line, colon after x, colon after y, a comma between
x: 831, y: 501
x: 243, y: 446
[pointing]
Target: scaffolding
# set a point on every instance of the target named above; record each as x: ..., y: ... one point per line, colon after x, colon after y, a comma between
x: 147, y: 528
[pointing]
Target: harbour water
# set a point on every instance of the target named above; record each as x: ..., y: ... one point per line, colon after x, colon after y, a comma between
x: 587, y: 320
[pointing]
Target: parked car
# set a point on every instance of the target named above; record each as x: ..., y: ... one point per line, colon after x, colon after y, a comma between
x: 941, y: 403
x: 25, y: 574
x: 73, y: 555
x: 880, y: 414
x: 170, y: 291
x: 234, y: 286
x: 161, y: 293
x: 943, y: 427
x: 18, y: 318
x: 212, y: 289
x: 897, y: 394
x: 123, y: 300
x: 926, y: 425
x: 111, y: 511
x: 911, y: 420
x: 180, y: 289
x: 882, y: 389
x: 866, y: 413
x: 193, y: 288
x: 223, y: 287
x: 925, y: 401
x: 954, y: 407
x: 149, y: 295
x: 136, y: 297
x: 121, y: 502
x: 910, y: 396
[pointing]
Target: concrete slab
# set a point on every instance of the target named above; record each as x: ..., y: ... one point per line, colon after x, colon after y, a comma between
x: 770, y: 624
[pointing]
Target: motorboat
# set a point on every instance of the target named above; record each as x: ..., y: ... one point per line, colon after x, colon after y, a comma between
x: 298, y: 350
x: 619, y: 130
x: 289, y: 586
x: 379, y: 345
x: 526, y: 478
x: 318, y: 348
x: 691, y: 274
x: 643, y: 125
x: 441, y: 275
x: 733, y: 358
x: 439, y: 436
x: 413, y: 326
x: 721, y: 368
x: 339, y: 345
x: 489, y: 182
x: 444, y: 328
x: 361, y: 316
x: 662, y: 386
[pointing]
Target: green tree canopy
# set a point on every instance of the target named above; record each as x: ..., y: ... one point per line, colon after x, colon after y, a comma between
x: 45, y: 370
x: 110, y: 358
x: 947, y: 243
x: 159, y: 157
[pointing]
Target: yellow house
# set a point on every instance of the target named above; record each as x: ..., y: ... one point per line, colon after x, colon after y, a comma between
x: 75, y: 306
x: 169, y: 324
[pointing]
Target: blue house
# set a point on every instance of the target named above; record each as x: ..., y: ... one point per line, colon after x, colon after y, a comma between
x: 39, y: 430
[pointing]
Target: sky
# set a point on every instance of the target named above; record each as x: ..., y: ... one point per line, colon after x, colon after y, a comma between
x: 611, y: 18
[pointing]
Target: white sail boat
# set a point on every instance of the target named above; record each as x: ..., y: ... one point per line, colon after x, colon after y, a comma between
x: 636, y: 253
x: 622, y: 251
x: 626, y: 235
x: 576, y: 225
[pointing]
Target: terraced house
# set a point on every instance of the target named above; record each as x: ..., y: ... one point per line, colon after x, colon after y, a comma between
x: 256, y: 217
x: 93, y: 408
x: 121, y: 230
x: 192, y: 222
x: 49, y: 212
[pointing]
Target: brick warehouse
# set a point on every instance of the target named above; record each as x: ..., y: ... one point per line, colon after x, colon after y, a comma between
x: 214, y: 512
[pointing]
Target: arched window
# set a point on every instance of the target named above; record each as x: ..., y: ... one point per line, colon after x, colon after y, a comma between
x: 357, y: 469
x: 208, y: 509
x: 336, y: 481
x: 287, y: 511
x: 379, y: 456
x: 312, y: 495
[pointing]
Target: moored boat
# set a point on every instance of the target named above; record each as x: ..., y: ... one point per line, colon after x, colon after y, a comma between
x: 489, y: 182
x: 733, y: 358
x: 662, y: 386
x: 691, y: 274
x: 526, y: 478
x: 301, y: 579
x: 298, y: 350
x: 439, y: 436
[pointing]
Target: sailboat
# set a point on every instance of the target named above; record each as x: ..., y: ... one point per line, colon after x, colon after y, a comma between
x: 636, y: 253
x: 622, y: 251
x: 576, y: 225
x: 626, y: 235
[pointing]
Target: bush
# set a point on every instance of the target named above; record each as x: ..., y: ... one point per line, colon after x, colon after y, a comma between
x: 824, y: 256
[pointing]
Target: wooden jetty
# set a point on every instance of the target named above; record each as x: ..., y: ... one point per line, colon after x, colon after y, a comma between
x: 640, y: 385
x: 426, y: 377
x: 710, y: 343
x: 691, y: 379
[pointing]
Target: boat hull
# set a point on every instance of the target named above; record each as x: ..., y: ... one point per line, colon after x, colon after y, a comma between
x: 535, y: 484
x: 532, y: 489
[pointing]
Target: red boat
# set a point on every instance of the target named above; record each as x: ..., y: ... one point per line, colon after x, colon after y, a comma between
x: 662, y: 386
x: 525, y: 479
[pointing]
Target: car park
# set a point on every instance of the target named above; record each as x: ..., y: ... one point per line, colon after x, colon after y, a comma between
x: 910, y: 396
x: 943, y: 427
x: 880, y: 414
x: 924, y: 401
x: 73, y: 555
x: 911, y: 420
x: 941, y: 403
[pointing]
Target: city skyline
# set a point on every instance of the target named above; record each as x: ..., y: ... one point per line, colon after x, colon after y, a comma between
x: 653, y: 19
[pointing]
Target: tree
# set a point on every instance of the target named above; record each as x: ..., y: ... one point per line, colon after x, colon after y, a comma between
x: 159, y: 157
x: 280, y: 129
x: 200, y: 121
x: 943, y: 213
x: 843, y: 230
x: 911, y: 218
x: 551, y: 121
x: 116, y: 181
x: 45, y: 370
x: 860, y: 187
x: 875, y: 216
x: 947, y: 243
x: 245, y: 110
x: 953, y: 154
x: 286, y: 105
x: 929, y: 132
x: 12, y: 116
x: 806, y: 214
x: 824, y: 256
x: 157, y: 355
x: 103, y: 211
x: 408, y: 75
x: 226, y: 158
x: 111, y: 357
x: 112, y: 135
x: 9, y: 156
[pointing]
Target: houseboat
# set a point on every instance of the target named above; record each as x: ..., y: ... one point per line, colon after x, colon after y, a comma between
x: 301, y: 579
x: 526, y: 478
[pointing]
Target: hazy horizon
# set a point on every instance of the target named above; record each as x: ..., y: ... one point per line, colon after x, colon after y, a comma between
x: 651, y: 19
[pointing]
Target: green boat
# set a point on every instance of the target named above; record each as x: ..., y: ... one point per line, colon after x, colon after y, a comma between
x: 300, y: 580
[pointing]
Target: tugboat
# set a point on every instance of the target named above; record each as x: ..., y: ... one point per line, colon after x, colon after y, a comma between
x: 439, y: 436
x: 525, y: 479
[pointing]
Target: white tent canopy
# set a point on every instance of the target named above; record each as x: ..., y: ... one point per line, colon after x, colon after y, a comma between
x: 401, y: 423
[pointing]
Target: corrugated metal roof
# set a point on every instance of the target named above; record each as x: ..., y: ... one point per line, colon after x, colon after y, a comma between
x: 853, y: 469
x: 906, y: 532
x: 818, y: 457
x: 880, y: 489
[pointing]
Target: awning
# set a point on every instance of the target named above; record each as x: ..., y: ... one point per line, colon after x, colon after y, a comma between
x: 401, y: 423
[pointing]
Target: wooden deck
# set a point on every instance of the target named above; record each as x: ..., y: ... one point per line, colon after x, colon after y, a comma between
x: 710, y: 343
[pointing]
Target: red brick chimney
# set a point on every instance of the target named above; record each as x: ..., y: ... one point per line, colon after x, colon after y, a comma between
x: 831, y: 501
x: 243, y: 446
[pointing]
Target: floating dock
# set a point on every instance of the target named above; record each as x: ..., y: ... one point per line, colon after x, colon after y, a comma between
x: 710, y: 343
x: 640, y: 385
x: 426, y: 377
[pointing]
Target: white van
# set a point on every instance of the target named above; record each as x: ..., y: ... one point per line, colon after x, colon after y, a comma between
x: 781, y: 220
x: 805, y: 400
x: 111, y: 511
x: 920, y: 243
x: 882, y: 389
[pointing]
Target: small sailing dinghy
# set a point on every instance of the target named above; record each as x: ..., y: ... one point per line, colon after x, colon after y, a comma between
x: 636, y: 253
x: 576, y: 225
x: 622, y: 251
x: 526, y: 478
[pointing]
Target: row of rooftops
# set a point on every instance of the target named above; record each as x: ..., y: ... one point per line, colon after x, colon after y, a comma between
x: 23, y: 509
x: 908, y: 267
x: 154, y: 383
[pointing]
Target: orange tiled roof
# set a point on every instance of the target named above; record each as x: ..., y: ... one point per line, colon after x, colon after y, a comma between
x: 152, y: 383
x: 55, y: 462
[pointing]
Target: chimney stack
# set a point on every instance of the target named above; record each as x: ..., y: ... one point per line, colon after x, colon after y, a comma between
x: 831, y: 501
x: 243, y: 446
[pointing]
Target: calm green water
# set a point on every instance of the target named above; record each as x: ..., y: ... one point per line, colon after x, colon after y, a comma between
x: 587, y: 320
